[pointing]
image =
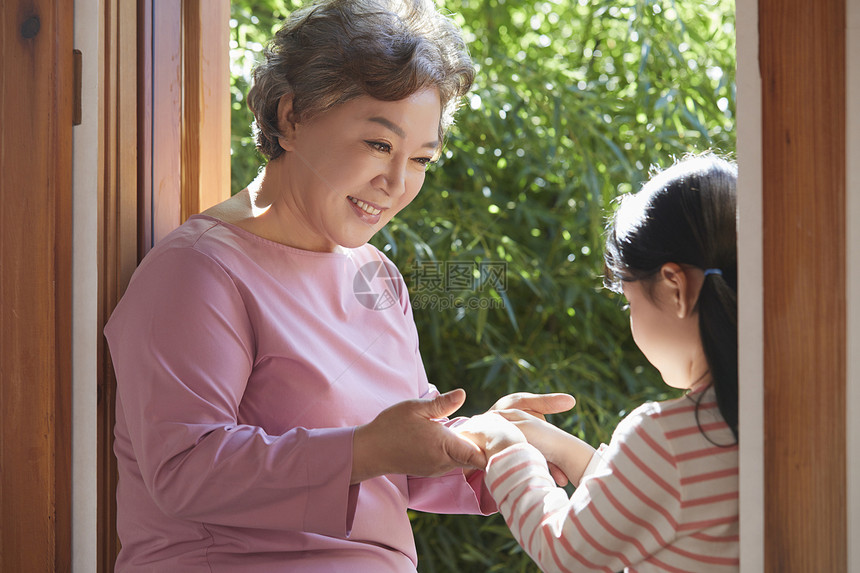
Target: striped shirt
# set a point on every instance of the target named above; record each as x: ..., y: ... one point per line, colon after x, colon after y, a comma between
x: 659, y: 497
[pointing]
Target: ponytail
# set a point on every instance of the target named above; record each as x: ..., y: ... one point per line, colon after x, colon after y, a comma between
x: 718, y: 328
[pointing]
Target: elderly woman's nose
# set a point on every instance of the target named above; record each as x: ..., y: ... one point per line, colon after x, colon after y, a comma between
x: 394, y: 179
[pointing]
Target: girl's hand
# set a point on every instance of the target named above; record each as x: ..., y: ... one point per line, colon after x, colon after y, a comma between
x: 570, y: 454
x: 535, y: 404
x: 538, y: 405
x: 490, y: 432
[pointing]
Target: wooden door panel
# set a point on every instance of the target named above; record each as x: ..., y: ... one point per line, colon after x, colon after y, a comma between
x: 36, y: 115
x: 802, y: 59
x: 166, y: 113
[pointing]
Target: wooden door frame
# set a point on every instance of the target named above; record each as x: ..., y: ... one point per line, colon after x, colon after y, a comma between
x: 803, y: 70
x: 793, y: 234
x: 165, y: 115
x: 779, y: 333
x: 117, y: 235
x: 36, y: 117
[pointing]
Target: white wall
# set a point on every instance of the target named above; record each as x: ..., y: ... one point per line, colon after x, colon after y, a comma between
x: 853, y: 277
x: 750, y: 302
x: 85, y: 293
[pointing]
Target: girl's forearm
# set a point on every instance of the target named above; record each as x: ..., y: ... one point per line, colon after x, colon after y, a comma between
x: 571, y: 455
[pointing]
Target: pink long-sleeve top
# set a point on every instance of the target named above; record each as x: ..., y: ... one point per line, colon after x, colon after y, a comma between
x: 243, y: 367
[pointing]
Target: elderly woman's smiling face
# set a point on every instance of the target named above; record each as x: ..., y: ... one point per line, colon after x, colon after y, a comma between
x: 350, y: 169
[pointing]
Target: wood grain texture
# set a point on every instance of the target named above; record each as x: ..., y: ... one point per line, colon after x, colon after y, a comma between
x: 144, y: 125
x: 206, y: 109
x: 802, y: 59
x: 160, y: 83
x: 166, y: 117
x: 118, y: 234
x: 36, y: 114
x: 163, y: 120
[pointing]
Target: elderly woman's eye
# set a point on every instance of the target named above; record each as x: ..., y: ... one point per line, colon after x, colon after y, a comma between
x: 380, y: 146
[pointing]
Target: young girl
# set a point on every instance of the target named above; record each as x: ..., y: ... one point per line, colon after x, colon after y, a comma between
x: 663, y: 495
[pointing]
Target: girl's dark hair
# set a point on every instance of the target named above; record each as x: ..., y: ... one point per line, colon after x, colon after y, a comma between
x: 333, y: 51
x: 687, y: 215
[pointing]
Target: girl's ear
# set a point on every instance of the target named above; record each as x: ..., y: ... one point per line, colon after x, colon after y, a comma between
x: 682, y: 288
x: 286, y: 125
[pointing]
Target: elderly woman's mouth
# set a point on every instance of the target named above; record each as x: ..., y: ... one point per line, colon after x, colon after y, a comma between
x: 366, y: 207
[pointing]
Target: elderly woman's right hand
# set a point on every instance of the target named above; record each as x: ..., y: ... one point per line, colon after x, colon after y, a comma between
x: 407, y: 438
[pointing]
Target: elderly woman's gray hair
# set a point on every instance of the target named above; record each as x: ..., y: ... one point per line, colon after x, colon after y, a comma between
x: 333, y: 51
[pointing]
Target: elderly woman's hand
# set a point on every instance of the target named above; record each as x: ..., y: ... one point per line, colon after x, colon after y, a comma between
x: 407, y: 438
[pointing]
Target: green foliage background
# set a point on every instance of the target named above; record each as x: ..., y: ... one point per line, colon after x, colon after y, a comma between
x: 574, y: 102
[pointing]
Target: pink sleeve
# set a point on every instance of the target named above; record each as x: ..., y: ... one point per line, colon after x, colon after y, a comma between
x: 183, y: 348
x: 452, y: 492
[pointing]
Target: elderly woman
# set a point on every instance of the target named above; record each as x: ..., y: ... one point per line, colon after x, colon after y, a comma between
x: 268, y: 417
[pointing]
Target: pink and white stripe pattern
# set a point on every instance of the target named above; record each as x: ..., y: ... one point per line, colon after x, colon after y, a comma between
x: 661, y: 497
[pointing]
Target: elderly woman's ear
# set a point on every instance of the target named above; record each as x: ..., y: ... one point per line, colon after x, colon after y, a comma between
x: 286, y: 122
